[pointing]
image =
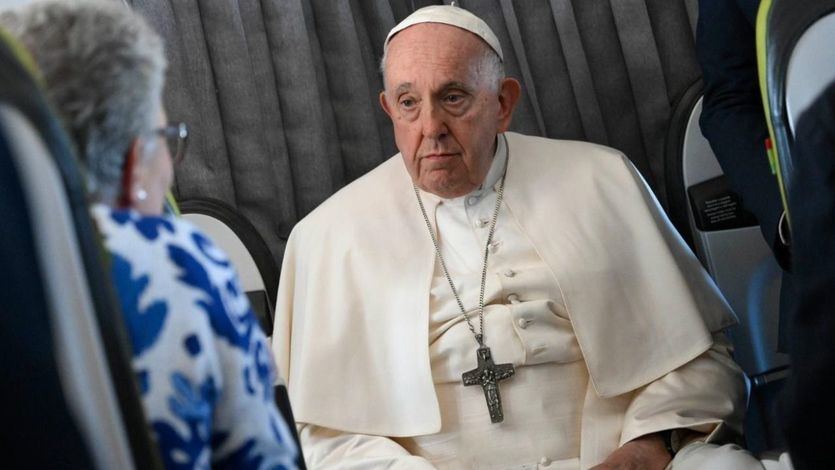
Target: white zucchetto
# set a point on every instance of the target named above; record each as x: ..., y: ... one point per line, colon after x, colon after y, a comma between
x: 453, y: 16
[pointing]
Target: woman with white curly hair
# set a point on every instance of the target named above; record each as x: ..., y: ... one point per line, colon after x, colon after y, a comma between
x: 202, y: 364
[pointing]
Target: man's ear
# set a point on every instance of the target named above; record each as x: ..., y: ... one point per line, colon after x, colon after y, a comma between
x: 130, y: 174
x: 384, y: 104
x: 509, y: 92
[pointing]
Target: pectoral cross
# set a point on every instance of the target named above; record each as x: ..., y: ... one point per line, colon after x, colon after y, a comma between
x: 488, y: 375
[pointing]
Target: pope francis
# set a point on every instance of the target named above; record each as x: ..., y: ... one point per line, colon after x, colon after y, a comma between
x: 485, y: 299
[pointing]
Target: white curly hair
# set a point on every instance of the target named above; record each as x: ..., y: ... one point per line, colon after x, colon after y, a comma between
x: 103, y: 69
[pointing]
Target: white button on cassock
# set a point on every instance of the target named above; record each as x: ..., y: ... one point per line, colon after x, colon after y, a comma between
x: 481, y: 223
x: 509, y: 273
x: 522, y: 323
x: 472, y: 200
x: 544, y: 461
x: 513, y: 298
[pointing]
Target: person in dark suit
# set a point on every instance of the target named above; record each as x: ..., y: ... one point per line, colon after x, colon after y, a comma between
x: 809, y: 407
x: 734, y: 123
x: 732, y: 118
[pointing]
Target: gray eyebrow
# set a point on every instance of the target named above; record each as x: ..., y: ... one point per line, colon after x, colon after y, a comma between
x: 403, y: 87
x: 455, y: 84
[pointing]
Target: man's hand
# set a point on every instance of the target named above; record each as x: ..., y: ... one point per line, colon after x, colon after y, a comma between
x: 644, y: 453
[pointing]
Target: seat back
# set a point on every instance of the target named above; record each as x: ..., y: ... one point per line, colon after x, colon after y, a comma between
x: 249, y: 253
x: 728, y: 241
x: 79, y: 352
x: 92, y: 350
x: 797, y: 61
x: 32, y: 394
x: 811, y: 67
x: 730, y: 245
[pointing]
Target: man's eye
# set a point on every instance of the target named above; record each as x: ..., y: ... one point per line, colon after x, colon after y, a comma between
x: 407, y: 103
x: 453, y: 99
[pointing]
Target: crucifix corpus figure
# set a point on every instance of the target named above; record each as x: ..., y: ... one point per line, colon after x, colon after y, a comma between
x: 488, y: 375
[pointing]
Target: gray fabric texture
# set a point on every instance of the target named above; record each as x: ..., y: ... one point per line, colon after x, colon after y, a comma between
x: 281, y: 95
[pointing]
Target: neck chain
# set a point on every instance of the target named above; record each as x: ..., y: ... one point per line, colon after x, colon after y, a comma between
x: 487, y: 373
x: 479, y: 336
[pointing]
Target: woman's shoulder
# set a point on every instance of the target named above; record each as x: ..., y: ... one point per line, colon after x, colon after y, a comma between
x: 166, y: 260
x: 194, y: 335
x: 131, y: 234
x: 150, y: 227
x: 176, y: 261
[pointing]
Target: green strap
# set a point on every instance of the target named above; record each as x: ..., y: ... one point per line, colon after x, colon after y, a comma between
x: 763, y: 15
x: 171, y: 202
x: 21, y: 54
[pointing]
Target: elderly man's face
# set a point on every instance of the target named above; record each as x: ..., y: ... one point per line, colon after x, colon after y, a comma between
x: 445, y: 115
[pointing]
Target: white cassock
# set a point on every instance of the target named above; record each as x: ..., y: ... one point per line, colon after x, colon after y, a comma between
x: 613, y: 326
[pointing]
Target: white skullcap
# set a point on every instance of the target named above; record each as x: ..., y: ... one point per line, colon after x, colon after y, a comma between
x: 453, y: 16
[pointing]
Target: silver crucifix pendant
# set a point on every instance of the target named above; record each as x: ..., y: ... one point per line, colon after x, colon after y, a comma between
x: 488, y: 375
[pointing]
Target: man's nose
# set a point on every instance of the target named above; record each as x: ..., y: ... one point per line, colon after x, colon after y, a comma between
x: 433, y: 121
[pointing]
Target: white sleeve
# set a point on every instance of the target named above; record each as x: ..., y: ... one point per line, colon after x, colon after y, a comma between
x: 706, y: 392
x: 328, y: 449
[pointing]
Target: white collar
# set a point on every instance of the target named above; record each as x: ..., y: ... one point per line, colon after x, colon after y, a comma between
x: 497, y: 167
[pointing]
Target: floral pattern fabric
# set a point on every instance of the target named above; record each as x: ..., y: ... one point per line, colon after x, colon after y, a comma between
x: 203, y: 364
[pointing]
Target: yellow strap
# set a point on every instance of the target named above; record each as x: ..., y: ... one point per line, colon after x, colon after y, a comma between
x: 762, y: 57
x: 172, y: 203
x: 21, y: 54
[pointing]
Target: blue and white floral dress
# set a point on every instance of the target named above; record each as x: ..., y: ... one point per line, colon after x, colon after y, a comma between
x: 203, y: 364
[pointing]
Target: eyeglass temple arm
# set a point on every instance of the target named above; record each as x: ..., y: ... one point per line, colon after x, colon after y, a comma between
x: 171, y: 204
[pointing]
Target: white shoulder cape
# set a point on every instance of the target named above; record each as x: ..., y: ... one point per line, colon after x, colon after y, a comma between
x: 351, y: 330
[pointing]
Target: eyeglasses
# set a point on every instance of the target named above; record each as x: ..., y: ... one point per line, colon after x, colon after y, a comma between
x: 176, y: 138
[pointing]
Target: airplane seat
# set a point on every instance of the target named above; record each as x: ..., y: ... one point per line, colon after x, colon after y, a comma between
x: 811, y: 67
x: 32, y: 395
x: 728, y: 242
x: 247, y: 250
x: 797, y: 62
x: 88, y: 343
